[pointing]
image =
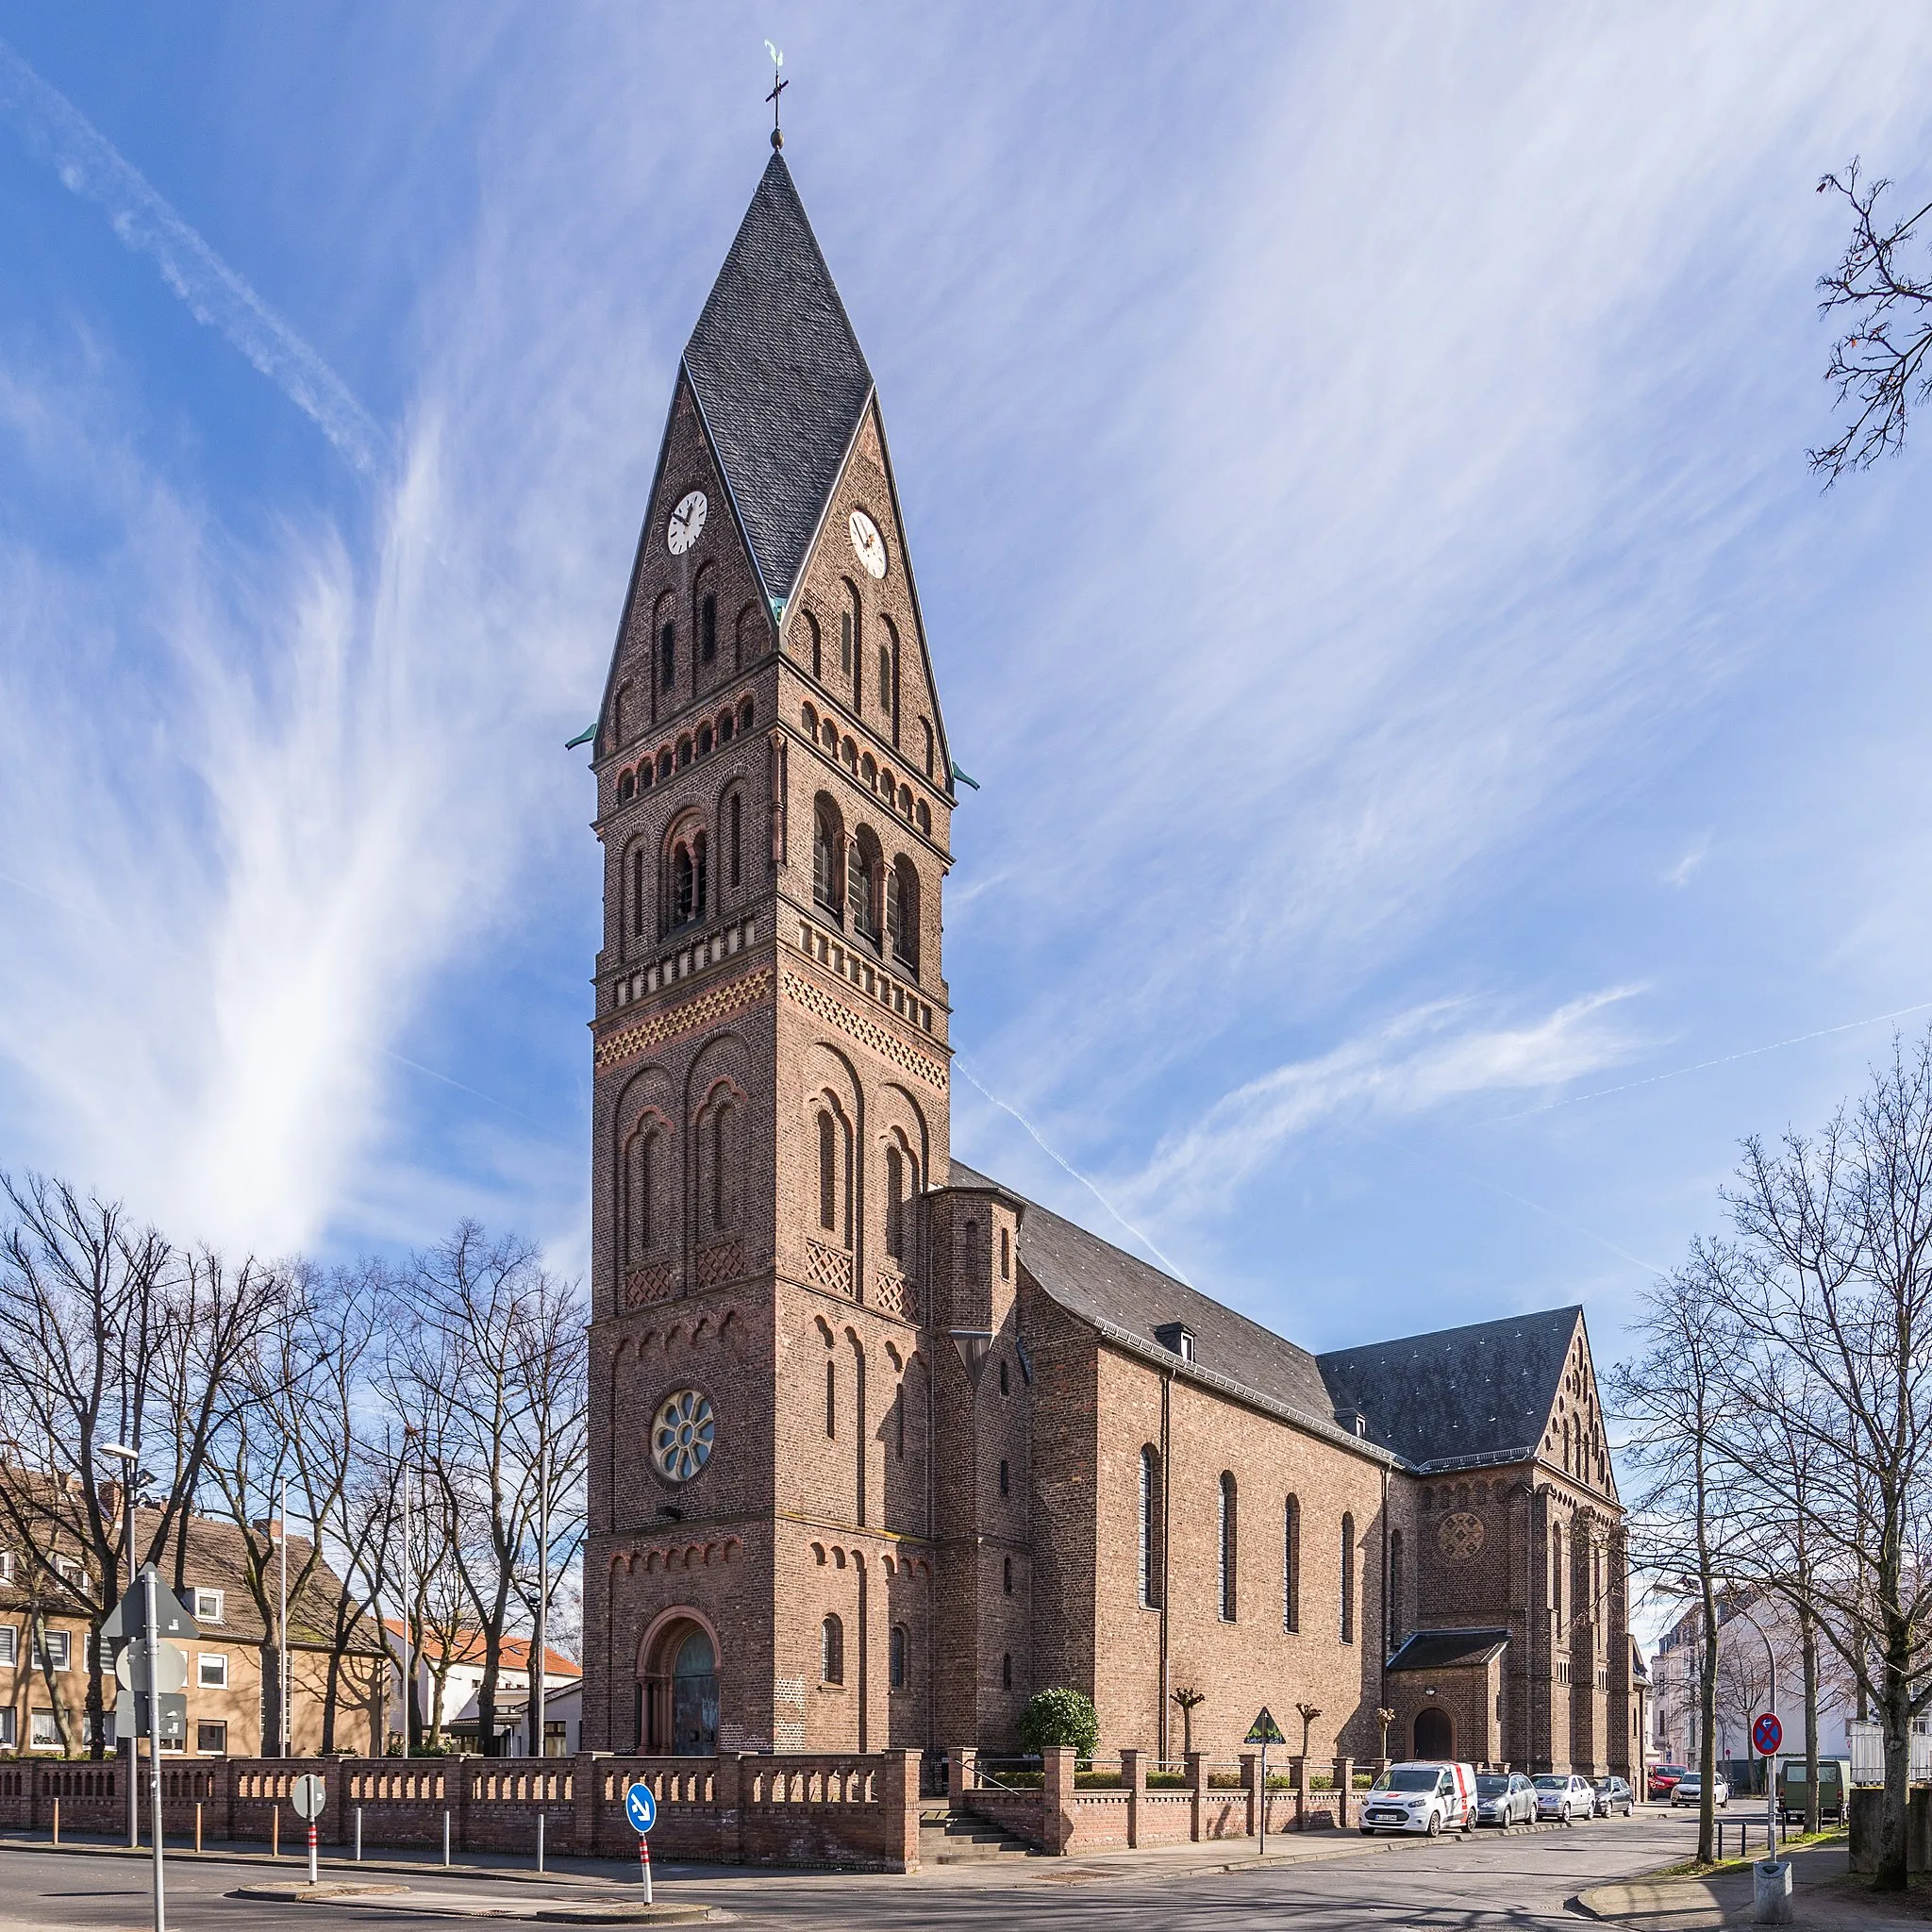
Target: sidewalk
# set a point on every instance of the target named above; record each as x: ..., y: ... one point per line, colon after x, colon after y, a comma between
x: 1823, y: 1898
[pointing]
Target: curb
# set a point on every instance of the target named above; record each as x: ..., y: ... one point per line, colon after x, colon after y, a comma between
x: 514, y: 1874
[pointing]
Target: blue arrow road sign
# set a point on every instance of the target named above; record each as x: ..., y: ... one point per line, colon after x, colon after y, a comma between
x: 641, y: 1807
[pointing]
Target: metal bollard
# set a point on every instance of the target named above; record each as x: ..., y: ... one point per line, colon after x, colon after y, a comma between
x: 359, y: 1833
x: 644, y: 1859
x: 274, y: 1833
x: 445, y: 1837
x: 197, y: 1824
x: 540, y: 1840
x: 57, y: 1820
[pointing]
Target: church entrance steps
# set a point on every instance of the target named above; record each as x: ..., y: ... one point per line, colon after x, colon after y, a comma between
x: 958, y: 1838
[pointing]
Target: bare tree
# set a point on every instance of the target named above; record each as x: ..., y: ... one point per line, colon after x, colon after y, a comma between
x: 1837, y: 1232
x: 1880, y: 367
x: 109, y: 1334
x: 1674, y: 1401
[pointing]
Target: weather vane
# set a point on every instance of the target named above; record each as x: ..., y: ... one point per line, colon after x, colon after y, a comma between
x: 778, y: 86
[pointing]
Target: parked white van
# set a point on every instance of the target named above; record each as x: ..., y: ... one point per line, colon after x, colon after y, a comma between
x: 1425, y: 1797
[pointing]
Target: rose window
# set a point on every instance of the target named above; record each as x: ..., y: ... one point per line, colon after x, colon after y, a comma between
x: 682, y: 1436
x: 1460, y: 1536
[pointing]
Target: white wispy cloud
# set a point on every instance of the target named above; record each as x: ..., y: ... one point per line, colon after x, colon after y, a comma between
x: 58, y: 133
x: 1422, y: 1060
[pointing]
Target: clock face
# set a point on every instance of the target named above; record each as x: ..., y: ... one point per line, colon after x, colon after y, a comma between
x: 687, y: 520
x: 870, y: 546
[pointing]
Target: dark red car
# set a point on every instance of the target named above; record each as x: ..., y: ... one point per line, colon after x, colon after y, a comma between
x: 1663, y: 1779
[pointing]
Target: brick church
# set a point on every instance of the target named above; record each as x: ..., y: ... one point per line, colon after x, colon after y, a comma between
x: 879, y: 1447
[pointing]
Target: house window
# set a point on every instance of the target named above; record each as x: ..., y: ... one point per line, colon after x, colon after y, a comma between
x: 1149, y: 1577
x: 51, y: 1650
x: 211, y: 1739
x: 208, y: 1606
x: 9, y: 1644
x: 1348, y: 1579
x: 6, y: 1566
x: 69, y: 1570
x: 896, y: 1658
x: 213, y: 1671
x: 832, y: 1652
x: 8, y: 1735
x: 1227, y: 1547
x: 1292, y: 1564
x: 43, y: 1734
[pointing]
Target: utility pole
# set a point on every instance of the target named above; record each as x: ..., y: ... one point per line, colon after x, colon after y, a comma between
x: 534, y: 1703
x: 408, y: 1601
x: 282, y: 1628
x: 130, y: 1749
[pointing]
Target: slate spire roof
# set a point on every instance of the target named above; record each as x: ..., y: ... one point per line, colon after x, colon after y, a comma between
x: 780, y: 378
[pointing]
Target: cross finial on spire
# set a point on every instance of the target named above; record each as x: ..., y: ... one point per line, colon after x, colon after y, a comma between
x: 778, y: 86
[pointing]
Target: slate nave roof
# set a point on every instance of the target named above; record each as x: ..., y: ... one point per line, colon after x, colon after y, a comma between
x: 1477, y: 1391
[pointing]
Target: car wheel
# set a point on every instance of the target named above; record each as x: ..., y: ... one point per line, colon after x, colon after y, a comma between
x: 1367, y: 1830
x: 1435, y: 1824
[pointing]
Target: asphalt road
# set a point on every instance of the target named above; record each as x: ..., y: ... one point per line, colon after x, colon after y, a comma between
x: 1489, y: 1882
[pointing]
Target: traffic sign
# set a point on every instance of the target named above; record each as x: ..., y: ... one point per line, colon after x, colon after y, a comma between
x: 131, y: 1716
x: 641, y: 1807
x: 171, y: 1668
x: 308, y: 1795
x: 1767, y: 1734
x: 128, y: 1616
x: 1264, y: 1730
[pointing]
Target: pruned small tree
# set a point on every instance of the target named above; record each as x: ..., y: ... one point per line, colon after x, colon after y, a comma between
x: 1060, y: 1717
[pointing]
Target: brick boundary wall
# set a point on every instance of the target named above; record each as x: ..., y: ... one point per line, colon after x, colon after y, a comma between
x: 1218, y: 1802
x: 842, y: 1810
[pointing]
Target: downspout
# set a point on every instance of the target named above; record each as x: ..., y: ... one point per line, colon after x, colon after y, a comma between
x: 932, y: 1580
x: 1382, y: 1674
x: 1166, y: 1536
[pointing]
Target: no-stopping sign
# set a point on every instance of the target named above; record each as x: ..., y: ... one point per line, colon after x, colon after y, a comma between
x: 1767, y: 1734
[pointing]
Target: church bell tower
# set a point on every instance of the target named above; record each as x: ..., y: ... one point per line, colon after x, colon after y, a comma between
x: 771, y: 1080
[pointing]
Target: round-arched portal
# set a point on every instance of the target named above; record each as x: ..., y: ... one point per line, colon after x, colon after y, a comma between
x: 1435, y: 1735
x: 677, y: 1691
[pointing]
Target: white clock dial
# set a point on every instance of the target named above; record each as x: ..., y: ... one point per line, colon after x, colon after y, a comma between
x: 870, y: 546
x: 687, y: 520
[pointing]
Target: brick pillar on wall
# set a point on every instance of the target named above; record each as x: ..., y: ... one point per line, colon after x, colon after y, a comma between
x: 899, y: 1802
x: 1134, y: 1782
x: 1057, y: 1797
x: 1197, y: 1784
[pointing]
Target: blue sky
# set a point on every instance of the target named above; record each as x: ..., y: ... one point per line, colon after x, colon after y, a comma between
x: 1354, y: 460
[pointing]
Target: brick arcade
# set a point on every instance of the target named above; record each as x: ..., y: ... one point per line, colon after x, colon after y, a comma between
x: 878, y: 1448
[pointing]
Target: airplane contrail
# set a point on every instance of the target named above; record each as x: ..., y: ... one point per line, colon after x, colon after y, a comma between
x: 56, y: 133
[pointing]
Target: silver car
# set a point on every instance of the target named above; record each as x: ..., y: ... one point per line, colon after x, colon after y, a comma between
x: 1504, y: 1798
x: 1565, y: 1797
x: 1689, y: 1789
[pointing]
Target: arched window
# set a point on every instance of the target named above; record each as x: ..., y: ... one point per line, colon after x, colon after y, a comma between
x: 1292, y: 1564
x: 926, y: 743
x: 1004, y: 1388
x: 1228, y: 1530
x: 832, y: 1651
x: 626, y: 788
x: 643, y: 1182
x: 1006, y: 1477
x: 848, y: 632
x: 667, y: 656
x: 619, y: 699
x: 865, y: 886
x: 1006, y: 1669
x: 895, y: 1654
x: 1006, y: 1575
x: 828, y: 1172
x: 1006, y: 1253
x: 1556, y: 1573
x: 1348, y: 1579
x: 745, y: 714
x: 895, y: 1202
x: 899, y: 1426
x: 734, y: 827
x: 722, y: 1130
x: 664, y: 763
x: 814, y: 650
x: 827, y: 841
x: 687, y: 879
x: 832, y: 1400
x: 638, y: 881
x: 646, y: 772
x: 707, y: 627
x: 684, y: 753
x: 727, y: 724
x: 704, y: 740
x: 924, y: 814
x: 1395, y: 1581
x: 1149, y: 1570
x: 902, y: 912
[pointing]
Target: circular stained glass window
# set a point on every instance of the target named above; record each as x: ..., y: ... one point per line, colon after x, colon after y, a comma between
x: 682, y: 1436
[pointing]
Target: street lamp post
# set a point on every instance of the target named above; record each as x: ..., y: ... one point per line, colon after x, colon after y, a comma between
x: 130, y: 1464
x: 533, y: 1704
x: 1769, y: 1766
